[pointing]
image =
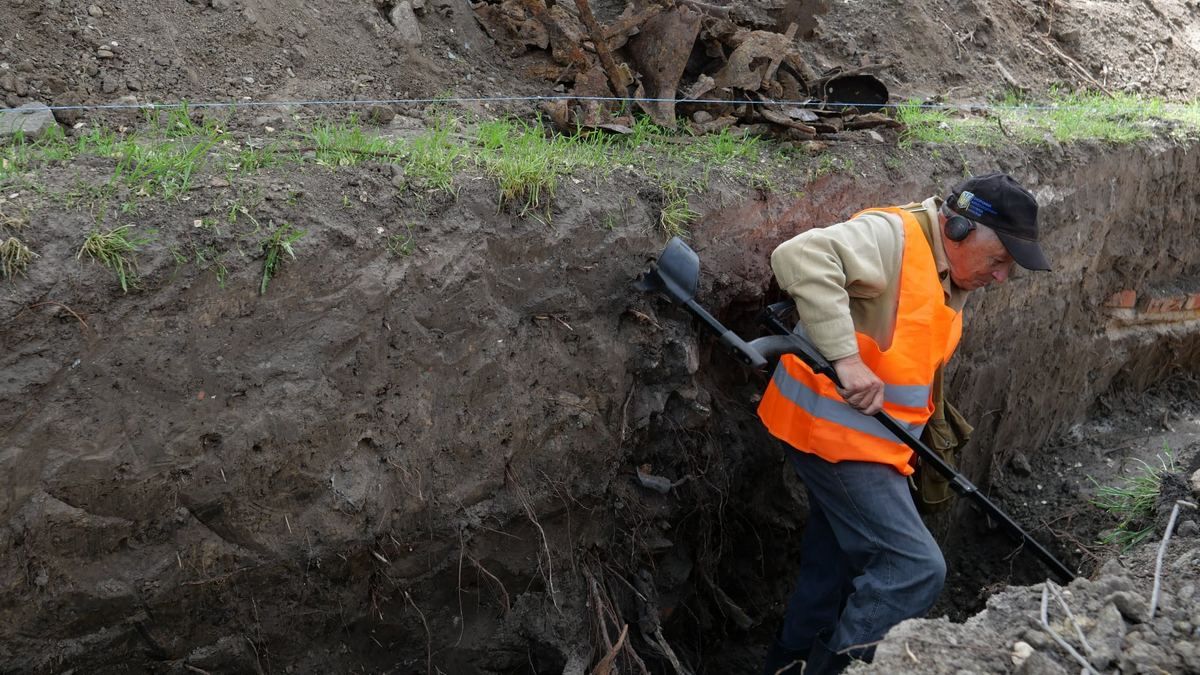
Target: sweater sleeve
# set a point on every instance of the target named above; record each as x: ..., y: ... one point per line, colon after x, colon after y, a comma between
x: 823, y: 268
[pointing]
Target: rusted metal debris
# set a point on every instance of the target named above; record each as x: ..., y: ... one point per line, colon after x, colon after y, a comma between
x: 689, y: 58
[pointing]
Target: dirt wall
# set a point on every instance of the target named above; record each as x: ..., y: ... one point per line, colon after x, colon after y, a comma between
x: 431, y: 460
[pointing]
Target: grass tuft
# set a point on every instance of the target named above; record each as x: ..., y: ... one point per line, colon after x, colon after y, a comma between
x: 15, y: 256
x: 277, y: 244
x: 676, y: 213
x: 1133, y: 501
x: 115, y: 250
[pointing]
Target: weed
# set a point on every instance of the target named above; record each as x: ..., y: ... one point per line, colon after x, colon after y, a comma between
x: 1133, y: 501
x: 15, y: 256
x: 277, y: 243
x: 115, y: 250
x: 208, y: 257
x: 402, y: 244
x: 676, y: 214
x: 252, y: 159
x: 15, y: 222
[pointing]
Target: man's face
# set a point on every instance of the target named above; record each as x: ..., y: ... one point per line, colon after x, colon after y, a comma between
x: 979, y: 260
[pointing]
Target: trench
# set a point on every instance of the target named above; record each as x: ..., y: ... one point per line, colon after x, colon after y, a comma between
x: 345, y: 474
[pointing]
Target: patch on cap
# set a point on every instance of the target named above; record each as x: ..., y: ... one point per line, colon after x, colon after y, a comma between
x: 974, y: 206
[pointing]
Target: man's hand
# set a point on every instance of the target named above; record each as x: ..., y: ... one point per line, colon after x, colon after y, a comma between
x: 861, y: 387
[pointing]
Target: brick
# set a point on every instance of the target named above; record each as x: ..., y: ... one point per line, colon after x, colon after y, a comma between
x: 1126, y: 299
x: 1173, y: 303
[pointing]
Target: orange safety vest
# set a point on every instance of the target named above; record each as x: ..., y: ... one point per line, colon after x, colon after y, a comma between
x: 804, y: 409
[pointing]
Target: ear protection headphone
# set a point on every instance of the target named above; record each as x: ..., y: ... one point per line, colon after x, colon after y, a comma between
x: 957, y: 227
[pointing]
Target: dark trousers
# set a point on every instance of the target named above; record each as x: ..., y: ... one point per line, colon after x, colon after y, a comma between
x: 867, y: 560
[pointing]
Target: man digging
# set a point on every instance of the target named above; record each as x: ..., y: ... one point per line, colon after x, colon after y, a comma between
x: 881, y: 297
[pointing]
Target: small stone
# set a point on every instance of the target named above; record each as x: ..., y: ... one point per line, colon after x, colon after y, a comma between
x: 95, y: 11
x: 1021, y: 651
x: 1020, y: 464
x: 8, y: 82
x: 1131, y: 605
x: 1188, y: 528
x: 220, y: 5
x: 110, y: 84
x: 104, y: 53
x: 701, y: 116
x: 1195, y: 483
x: 1040, y: 664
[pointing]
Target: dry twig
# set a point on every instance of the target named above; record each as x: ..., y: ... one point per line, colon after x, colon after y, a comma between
x: 1045, y: 621
x: 1162, y: 551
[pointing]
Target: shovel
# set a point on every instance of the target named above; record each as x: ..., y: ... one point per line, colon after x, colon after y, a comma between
x: 676, y: 275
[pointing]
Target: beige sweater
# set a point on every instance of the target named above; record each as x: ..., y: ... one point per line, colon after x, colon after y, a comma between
x: 844, y: 277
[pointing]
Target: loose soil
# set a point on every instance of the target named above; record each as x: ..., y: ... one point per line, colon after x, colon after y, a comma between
x: 429, y: 462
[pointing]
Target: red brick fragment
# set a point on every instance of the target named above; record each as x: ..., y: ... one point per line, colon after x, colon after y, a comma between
x: 1126, y: 299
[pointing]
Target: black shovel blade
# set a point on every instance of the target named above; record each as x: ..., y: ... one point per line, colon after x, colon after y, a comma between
x: 676, y: 274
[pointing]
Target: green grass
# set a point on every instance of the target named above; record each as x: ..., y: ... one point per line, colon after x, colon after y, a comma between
x: 275, y: 246
x: 15, y: 256
x: 346, y: 144
x: 1133, y: 501
x: 431, y: 159
x: 1063, y: 117
x: 115, y: 249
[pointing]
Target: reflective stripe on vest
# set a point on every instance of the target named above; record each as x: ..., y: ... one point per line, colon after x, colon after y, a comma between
x: 805, y: 410
x: 840, y: 411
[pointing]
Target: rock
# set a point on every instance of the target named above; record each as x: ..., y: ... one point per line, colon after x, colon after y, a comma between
x: 33, y: 119
x: 1021, y: 652
x: 1195, y: 484
x: 408, y: 30
x: 1036, y: 638
x: 8, y: 82
x: 380, y: 114
x: 110, y: 84
x: 220, y: 5
x: 1020, y: 464
x: 95, y: 11
x: 104, y: 53
x: 1143, y: 657
x: 1040, y: 664
x: 1131, y: 605
x: 701, y: 116
x: 1187, y: 528
x: 71, y: 116
x: 1107, y: 636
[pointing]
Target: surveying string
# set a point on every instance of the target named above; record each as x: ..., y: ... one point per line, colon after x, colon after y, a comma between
x: 806, y: 103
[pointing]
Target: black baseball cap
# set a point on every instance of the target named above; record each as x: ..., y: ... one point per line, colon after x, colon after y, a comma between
x: 998, y: 201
